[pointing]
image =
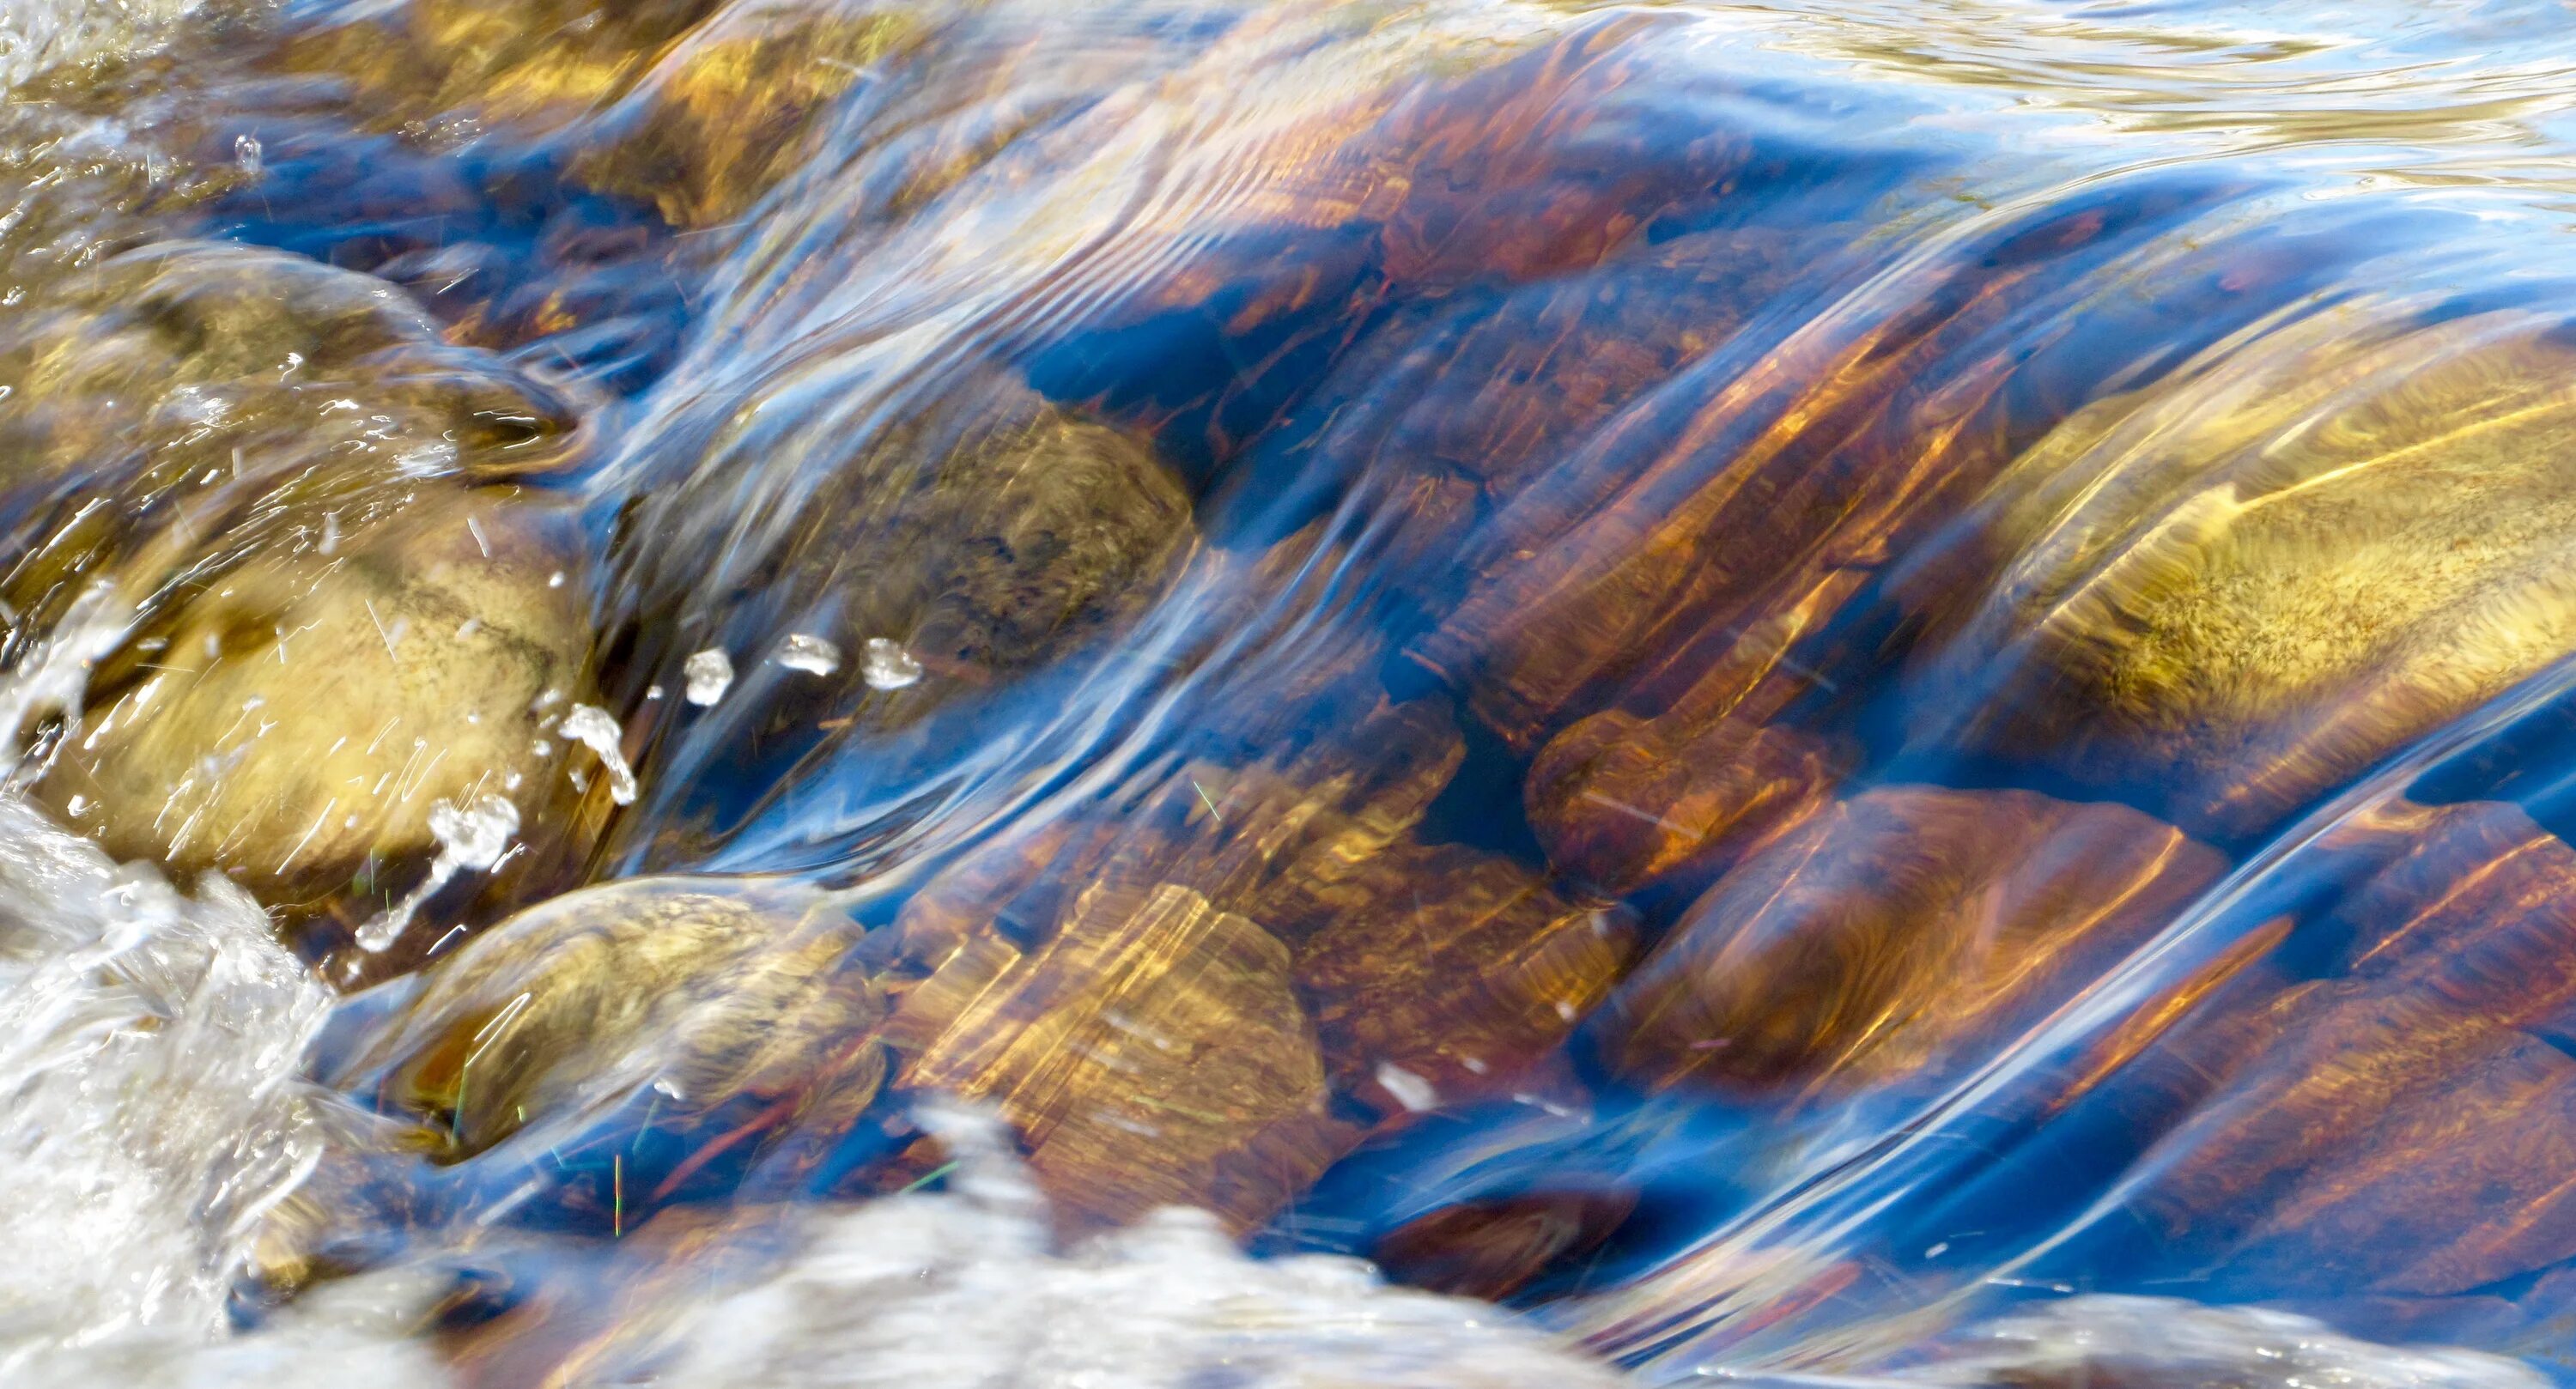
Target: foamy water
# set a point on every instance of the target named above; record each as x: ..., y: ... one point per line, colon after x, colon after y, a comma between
x: 40, y: 34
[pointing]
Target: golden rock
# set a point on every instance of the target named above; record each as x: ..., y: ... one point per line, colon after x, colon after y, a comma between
x: 694, y: 107
x: 1895, y: 934
x: 193, y: 369
x: 2243, y: 589
x: 299, y: 722
x: 717, y: 999
x: 1154, y: 1053
x: 1380, y: 972
x: 542, y: 63
x: 722, y: 116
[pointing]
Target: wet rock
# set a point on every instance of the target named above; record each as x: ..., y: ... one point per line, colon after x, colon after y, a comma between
x: 2393, y: 1116
x: 987, y: 536
x: 706, y: 1017
x: 992, y: 530
x: 540, y: 63
x: 1896, y: 935
x: 690, y: 106
x: 297, y: 721
x: 2236, y: 593
x: 1440, y: 971
x: 169, y: 369
x: 723, y: 116
x: 1493, y: 1248
x: 1625, y: 802
x: 270, y: 466
x: 1414, y: 976
x: 1155, y: 1053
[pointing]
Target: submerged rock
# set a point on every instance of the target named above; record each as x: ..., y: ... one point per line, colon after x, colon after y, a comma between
x: 975, y: 541
x: 1290, y: 900
x: 1628, y: 803
x: 280, y: 480
x: 2389, y: 1109
x: 298, y: 722
x: 2231, y: 594
x: 1895, y: 933
x: 713, y: 1017
x: 1154, y: 1054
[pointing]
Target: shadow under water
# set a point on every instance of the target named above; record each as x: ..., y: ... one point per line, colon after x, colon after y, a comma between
x: 1856, y: 695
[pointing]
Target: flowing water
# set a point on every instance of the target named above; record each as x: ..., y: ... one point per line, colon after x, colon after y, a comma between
x: 852, y: 692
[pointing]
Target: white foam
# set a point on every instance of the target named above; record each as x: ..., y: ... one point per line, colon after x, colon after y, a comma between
x: 149, y: 1106
x: 2167, y: 1343
x: 963, y: 1289
x: 39, y: 34
x: 475, y: 836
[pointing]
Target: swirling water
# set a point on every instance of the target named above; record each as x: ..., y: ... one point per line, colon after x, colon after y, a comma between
x: 1812, y: 689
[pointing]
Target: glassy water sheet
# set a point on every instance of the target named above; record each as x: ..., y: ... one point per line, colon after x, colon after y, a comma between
x: 784, y: 692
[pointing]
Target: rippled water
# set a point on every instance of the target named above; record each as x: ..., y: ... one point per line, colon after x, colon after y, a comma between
x: 1853, y: 695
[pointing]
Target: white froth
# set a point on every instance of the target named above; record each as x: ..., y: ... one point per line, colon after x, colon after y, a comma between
x: 2167, y: 1343
x: 149, y: 1105
x: 475, y: 836
x: 39, y: 34
x: 963, y: 1289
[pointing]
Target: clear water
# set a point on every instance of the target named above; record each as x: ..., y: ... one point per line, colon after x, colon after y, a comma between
x: 2059, y: 507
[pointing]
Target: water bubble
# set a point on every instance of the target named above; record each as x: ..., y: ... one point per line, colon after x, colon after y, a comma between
x: 1410, y: 1090
x: 810, y: 654
x: 887, y: 666
x: 598, y: 730
x: 710, y: 674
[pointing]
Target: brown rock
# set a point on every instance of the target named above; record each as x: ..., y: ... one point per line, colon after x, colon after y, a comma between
x: 1625, y: 802
x: 2402, y: 1125
x: 1896, y: 935
x: 1441, y: 971
x: 1491, y: 1249
x: 1381, y: 970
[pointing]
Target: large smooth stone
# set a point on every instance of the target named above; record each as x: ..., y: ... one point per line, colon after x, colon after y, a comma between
x: 298, y: 723
x: 2238, y: 592
x: 1154, y: 1054
x: 1897, y: 935
x: 699, y: 1008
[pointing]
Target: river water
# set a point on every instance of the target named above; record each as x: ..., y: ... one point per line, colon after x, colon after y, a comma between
x: 850, y: 692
